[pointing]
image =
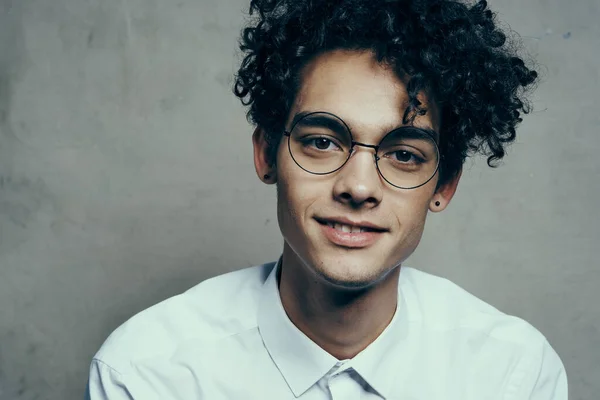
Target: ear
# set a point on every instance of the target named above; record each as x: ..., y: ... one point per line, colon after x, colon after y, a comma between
x: 444, y: 194
x: 265, y: 171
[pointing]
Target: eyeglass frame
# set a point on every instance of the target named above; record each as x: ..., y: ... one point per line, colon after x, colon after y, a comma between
x: 354, y: 143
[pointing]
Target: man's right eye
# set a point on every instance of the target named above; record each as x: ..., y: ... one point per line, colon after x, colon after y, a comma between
x: 320, y: 143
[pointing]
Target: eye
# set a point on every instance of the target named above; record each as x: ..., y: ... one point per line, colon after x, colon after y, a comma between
x: 320, y: 143
x: 405, y: 156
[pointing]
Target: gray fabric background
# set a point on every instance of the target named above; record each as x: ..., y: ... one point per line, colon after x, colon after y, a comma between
x: 126, y: 177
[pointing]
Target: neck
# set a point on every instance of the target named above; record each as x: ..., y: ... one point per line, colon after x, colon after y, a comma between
x: 343, y: 322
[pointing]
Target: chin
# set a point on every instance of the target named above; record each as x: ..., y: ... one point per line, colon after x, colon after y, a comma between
x: 347, y: 283
x: 349, y: 272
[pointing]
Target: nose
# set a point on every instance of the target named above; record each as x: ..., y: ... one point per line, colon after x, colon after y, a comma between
x: 358, y: 184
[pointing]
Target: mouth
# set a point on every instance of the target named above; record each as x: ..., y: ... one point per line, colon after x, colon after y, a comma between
x: 347, y: 226
x: 348, y: 234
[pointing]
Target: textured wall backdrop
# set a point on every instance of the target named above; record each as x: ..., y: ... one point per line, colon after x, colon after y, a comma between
x: 126, y: 177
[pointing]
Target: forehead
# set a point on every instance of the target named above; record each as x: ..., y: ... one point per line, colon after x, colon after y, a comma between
x: 367, y: 95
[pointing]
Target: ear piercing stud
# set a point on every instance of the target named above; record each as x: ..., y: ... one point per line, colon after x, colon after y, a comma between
x: 437, y: 203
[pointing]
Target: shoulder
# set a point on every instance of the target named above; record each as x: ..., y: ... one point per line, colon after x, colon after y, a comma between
x: 504, y: 352
x: 444, y: 306
x: 215, y: 308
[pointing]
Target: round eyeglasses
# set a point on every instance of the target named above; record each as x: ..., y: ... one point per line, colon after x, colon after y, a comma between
x: 321, y: 143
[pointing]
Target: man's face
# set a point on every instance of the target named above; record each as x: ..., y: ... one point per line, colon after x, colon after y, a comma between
x: 371, y: 100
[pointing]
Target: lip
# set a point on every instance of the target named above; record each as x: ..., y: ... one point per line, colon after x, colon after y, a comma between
x: 354, y: 240
x: 346, y: 221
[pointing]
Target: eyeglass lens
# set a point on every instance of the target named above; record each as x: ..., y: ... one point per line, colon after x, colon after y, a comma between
x: 321, y: 143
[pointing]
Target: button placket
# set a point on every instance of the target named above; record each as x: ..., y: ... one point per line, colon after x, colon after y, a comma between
x: 341, y: 385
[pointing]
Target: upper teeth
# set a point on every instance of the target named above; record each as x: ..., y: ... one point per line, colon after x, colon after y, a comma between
x: 346, y: 228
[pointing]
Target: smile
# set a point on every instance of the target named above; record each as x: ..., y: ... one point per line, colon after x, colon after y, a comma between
x: 348, y: 228
x: 345, y: 233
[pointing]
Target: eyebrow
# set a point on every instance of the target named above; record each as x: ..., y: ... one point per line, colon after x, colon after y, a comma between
x: 416, y: 132
x: 320, y: 119
x: 324, y: 119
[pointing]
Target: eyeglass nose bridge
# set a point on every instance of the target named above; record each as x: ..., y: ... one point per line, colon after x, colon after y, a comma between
x: 370, y: 146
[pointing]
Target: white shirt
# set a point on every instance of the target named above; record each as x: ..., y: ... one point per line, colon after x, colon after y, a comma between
x: 230, y: 338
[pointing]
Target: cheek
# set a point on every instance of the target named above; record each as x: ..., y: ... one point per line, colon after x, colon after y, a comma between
x: 287, y: 213
x: 284, y: 194
x: 411, y: 214
x: 291, y: 198
x: 299, y: 194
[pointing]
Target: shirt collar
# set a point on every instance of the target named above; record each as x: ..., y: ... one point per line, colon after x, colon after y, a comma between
x: 379, y: 363
x: 302, y: 362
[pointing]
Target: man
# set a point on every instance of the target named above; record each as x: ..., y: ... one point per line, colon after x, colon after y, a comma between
x: 365, y: 111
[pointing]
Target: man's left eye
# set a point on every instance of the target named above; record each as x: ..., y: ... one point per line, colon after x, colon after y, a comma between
x: 404, y: 156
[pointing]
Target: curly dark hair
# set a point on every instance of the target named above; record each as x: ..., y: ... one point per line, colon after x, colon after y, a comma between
x: 452, y: 51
